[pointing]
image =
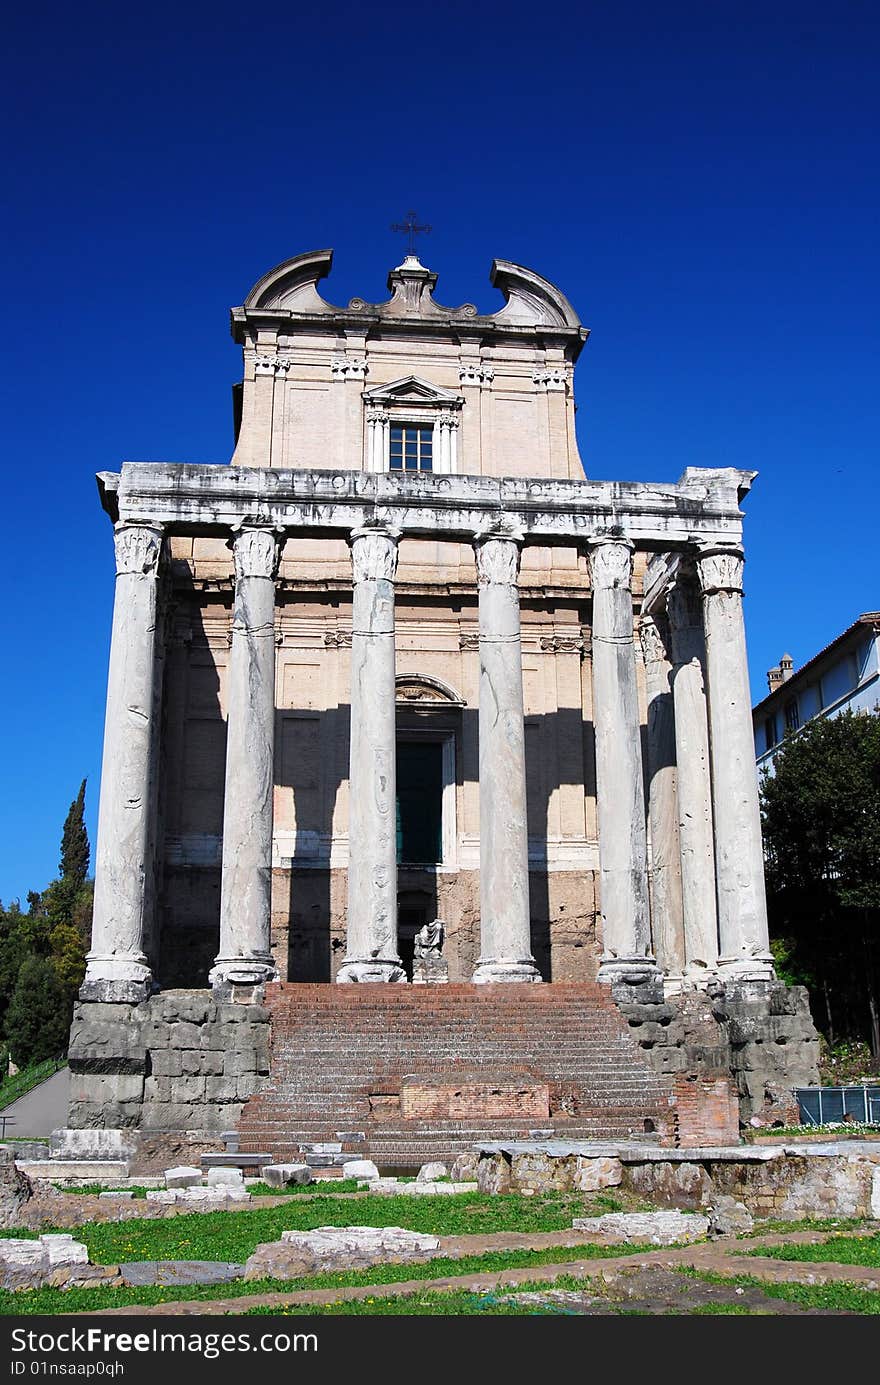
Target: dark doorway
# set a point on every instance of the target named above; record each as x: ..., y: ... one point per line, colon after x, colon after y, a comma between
x: 419, y: 802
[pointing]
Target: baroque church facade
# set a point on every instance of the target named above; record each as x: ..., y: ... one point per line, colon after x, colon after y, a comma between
x: 400, y: 696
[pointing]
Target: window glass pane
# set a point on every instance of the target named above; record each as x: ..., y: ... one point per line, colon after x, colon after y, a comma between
x: 411, y: 464
x: 396, y: 434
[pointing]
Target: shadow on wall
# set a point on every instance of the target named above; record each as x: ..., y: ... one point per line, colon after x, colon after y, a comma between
x: 312, y: 752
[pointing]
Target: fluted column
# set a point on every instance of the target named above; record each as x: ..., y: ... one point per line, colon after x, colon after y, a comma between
x: 695, y: 825
x: 116, y: 967
x: 371, y: 944
x: 505, y: 931
x: 742, y: 907
x: 620, y: 798
x: 245, y: 956
x: 666, y: 906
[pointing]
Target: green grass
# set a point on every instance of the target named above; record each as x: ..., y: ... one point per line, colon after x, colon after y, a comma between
x: 53, y: 1301
x: 11, y: 1088
x: 803, y: 1224
x: 92, y: 1190
x: 840, y: 1250
x: 820, y: 1132
x: 235, y: 1235
x: 850, y: 1297
x: 436, y: 1303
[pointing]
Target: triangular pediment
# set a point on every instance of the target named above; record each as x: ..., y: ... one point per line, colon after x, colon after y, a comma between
x: 411, y: 389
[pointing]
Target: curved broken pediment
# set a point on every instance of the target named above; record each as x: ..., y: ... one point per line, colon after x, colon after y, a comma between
x: 420, y: 690
x: 291, y: 286
x: 531, y: 300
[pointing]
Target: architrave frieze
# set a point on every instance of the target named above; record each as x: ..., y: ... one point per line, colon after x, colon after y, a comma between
x: 702, y: 509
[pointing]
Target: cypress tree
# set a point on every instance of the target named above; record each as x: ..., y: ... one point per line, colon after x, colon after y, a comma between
x: 74, y: 865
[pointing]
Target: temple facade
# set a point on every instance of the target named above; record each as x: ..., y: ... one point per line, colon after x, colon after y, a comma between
x: 400, y: 696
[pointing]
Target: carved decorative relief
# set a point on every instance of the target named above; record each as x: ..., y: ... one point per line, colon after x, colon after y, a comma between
x: 720, y: 570
x: 256, y: 553
x: 137, y: 548
x: 348, y: 367
x: 271, y: 365
x: 374, y: 554
x: 497, y: 559
x: 469, y: 641
x: 338, y: 639
x: 553, y: 379
x: 652, y: 640
x: 611, y: 563
x: 376, y: 414
x: 562, y: 644
x: 476, y: 374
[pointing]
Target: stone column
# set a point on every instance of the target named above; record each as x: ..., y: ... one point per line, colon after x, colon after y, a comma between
x: 245, y: 956
x: 626, y: 926
x: 666, y: 905
x: 505, y: 931
x: 694, y: 779
x: 116, y: 967
x: 371, y: 945
x: 739, y: 858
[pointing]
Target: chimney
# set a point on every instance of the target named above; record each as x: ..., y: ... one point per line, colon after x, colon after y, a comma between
x: 786, y: 667
x: 774, y: 678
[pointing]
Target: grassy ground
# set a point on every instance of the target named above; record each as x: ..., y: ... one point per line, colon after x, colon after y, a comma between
x: 88, y: 1300
x: 235, y: 1235
x: 11, y: 1088
x: 840, y: 1250
x: 849, y: 1297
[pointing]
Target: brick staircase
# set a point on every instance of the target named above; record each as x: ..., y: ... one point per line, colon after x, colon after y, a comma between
x: 339, y: 1053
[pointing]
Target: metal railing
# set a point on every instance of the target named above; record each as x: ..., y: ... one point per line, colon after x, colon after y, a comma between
x: 822, y: 1105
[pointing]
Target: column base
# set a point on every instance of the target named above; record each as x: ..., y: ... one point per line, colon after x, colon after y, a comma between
x: 628, y: 971
x: 117, y: 978
x: 490, y: 972
x: 375, y: 969
x: 700, y: 977
x: 230, y: 972
x: 757, y: 968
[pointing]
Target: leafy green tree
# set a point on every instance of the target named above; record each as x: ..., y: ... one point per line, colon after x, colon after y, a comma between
x: 75, y: 851
x: 821, y: 819
x: 38, y: 1018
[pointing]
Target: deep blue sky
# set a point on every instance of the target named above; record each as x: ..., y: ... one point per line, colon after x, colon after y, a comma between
x: 699, y: 178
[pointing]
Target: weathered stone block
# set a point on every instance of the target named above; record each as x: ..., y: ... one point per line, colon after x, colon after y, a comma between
x: 493, y: 1173
x: 655, y: 1228
x: 183, y: 1176
x: 430, y: 1172
x: 592, y: 1174
x: 336, y: 1248
x: 285, y: 1175
x: 359, y: 1168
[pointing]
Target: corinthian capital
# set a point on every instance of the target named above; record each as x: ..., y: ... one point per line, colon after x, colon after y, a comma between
x: 720, y: 570
x: 498, y: 557
x: 374, y: 554
x: 611, y: 563
x: 137, y: 548
x: 256, y: 553
x: 652, y: 639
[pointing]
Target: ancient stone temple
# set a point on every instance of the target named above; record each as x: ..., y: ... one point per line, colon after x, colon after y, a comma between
x: 428, y: 806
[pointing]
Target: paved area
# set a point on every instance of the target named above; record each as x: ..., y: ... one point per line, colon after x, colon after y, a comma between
x: 621, y: 1278
x: 41, y: 1110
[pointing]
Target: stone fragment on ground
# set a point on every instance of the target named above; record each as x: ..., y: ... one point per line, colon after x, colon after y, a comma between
x: 415, y: 1189
x: 184, y: 1176
x: 654, y: 1228
x: 214, y: 1197
x: 359, y: 1168
x: 590, y: 1175
x: 286, y: 1175
x: 430, y: 1172
x: 727, y: 1217
x: 229, y: 1177
x: 138, y: 1273
x: 464, y: 1169
x: 338, y: 1248
x: 31, y: 1264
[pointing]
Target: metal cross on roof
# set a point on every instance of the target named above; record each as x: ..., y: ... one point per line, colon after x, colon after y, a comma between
x: 411, y: 229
